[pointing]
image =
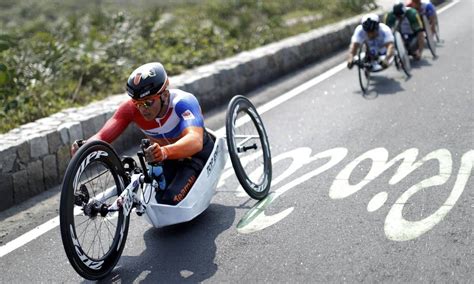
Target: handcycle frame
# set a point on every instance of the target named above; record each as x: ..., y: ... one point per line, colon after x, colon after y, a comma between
x: 127, y: 186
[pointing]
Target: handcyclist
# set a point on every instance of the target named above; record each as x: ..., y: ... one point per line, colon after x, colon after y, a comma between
x: 410, y: 27
x: 379, y: 39
x: 425, y: 8
x: 172, y: 120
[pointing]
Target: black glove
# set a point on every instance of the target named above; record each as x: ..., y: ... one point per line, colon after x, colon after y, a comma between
x: 76, y: 145
x: 384, y: 63
x: 350, y: 64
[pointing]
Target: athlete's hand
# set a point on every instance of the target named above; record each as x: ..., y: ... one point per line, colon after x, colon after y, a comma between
x: 384, y: 63
x: 155, y: 153
x: 76, y: 145
x: 350, y: 64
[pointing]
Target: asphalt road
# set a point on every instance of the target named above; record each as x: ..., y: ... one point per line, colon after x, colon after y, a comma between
x: 368, y: 189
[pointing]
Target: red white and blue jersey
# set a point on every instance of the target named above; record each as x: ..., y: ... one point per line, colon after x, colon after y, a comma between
x: 183, y: 111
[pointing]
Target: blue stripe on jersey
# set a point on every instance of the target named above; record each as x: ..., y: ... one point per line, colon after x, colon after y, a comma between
x: 189, y: 112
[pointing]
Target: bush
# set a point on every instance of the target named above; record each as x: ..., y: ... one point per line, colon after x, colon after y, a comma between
x: 55, y: 54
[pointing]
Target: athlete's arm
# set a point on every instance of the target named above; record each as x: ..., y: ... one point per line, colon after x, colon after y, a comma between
x: 190, y: 143
x: 115, y: 126
x: 191, y: 138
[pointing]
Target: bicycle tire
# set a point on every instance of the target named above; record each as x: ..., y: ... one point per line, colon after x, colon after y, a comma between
x: 364, y: 73
x: 79, y: 184
x: 438, y: 38
x: 256, y: 188
x: 401, y: 57
x: 429, y: 36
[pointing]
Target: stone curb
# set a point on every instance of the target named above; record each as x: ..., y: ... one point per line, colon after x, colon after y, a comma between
x: 34, y: 156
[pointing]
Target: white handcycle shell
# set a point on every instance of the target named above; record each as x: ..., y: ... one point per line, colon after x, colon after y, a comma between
x: 198, y: 198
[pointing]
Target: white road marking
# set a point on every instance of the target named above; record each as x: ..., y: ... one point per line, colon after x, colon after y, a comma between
x: 397, y: 228
x: 450, y: 5
x: 377, y: 201
x: 53, y: 223
x: 29, y: 236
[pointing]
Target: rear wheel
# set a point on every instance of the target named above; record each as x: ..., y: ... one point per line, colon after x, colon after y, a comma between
x: 363, y: 66
x: 93, y: 239
x: 249, y: 149
x: 402, y: 59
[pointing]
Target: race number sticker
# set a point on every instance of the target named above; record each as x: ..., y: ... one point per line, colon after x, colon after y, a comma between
x: 188, y: 115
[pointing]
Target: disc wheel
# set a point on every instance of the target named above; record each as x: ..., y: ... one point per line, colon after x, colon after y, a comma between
x: 248, y: 147
x: 92, y: 238
x: 363, y: 68
x: 402, y: 59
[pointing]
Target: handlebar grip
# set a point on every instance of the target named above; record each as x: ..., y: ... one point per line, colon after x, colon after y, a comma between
x: 145, y: 143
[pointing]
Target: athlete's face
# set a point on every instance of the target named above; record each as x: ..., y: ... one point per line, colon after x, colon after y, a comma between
x: 150, y: 107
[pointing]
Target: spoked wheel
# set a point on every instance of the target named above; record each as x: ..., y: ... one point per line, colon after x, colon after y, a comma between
x: 429, y: 36
x: 249, y: 149
x: 402, y: 59
x: 92, y: 238
x: 364, y: 72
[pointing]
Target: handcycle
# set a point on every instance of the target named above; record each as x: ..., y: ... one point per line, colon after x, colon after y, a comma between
x: 100, y: 190
x: 365, y: 62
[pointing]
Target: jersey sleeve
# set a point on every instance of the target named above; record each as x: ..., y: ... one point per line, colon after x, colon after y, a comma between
x: 189, y: 113
x: 388, y: 35
x: 358, y: 35
x: 117, y: 124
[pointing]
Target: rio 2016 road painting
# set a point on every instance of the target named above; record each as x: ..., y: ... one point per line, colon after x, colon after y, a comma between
x: 396, y: 227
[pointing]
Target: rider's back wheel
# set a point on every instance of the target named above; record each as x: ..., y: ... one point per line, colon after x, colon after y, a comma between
x: 363, y: 68
x: 402, y: 58
x: 92, y: 238
x: 249, y: 149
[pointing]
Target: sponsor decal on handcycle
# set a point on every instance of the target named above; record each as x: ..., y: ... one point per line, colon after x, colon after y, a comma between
x: 212, y: 161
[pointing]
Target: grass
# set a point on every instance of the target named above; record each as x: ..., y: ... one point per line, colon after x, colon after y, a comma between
x: 57, y: 54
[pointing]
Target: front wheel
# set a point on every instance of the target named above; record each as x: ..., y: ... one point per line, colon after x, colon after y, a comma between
x: 93, y: 238
x: 249, y: 149
x: 402, y: 59
x: 364, y: 68
x: 430, y: 41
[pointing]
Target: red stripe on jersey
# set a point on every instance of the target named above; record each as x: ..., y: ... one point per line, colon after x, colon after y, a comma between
x: 167, y: 115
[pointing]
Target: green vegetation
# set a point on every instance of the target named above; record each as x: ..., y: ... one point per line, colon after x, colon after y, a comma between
x: 56, y: 54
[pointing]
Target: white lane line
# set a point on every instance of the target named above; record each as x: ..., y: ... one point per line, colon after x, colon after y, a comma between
x: 448, y: 6
x: 293, y: 93
x: 29, y: 236
x: 51, y: 224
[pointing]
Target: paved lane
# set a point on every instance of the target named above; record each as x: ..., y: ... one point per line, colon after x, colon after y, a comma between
x: 345, y: 206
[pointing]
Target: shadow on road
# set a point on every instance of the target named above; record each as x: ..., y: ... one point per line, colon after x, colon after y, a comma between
x: 382, y: 85
x: 179, y: 253
x: 423, y: 62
